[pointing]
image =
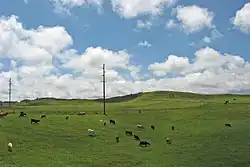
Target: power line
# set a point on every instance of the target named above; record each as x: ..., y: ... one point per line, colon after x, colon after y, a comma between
x: 104, y: 89
x: 10, y: 84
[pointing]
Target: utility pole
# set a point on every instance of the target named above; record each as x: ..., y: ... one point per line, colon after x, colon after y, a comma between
x: 104, y: 89
x: 10, y: 83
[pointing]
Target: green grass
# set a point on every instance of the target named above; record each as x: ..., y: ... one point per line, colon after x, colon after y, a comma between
x: 200, y: 138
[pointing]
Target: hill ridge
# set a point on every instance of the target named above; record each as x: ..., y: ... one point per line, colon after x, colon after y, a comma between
x: 132, y: 96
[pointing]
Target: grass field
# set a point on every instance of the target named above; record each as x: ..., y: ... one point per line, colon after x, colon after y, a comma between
x: 200, y: 138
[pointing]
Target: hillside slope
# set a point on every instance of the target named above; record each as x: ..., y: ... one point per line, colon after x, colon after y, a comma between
x: 150, y: 101
x: 200, y: 137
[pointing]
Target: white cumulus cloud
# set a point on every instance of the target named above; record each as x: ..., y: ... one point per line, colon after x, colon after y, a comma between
x: 95, y: 57
x: 134, y: 8
x: 173, y: 64
x: 242, y: 18
x: 210, y: 72
x: 67, y: 5
x: 192, y: 18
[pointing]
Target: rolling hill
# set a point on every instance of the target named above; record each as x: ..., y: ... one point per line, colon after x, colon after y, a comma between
x: 200, y: 137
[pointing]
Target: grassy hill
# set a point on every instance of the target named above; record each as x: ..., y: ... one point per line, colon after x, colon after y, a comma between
x: 200, y: 137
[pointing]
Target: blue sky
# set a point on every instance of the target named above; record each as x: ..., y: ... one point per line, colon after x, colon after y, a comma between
x: 114, y: 31
x: 109, y: 30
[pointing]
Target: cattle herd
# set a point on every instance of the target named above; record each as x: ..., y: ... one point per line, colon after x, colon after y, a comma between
x: 142, y: 143
x: 92, y: 133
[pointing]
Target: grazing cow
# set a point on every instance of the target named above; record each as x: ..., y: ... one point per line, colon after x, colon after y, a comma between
x: 10, y: 147
x: 22, y: 114
x: 117, y: 139
x: 152, y: 127
x: 34, y: 121
x: 112, y: 121
x: 96, y: 113
x: 172, y: 128
x: 168, y: 140
x: 128, y: 133
x: 228, y: 125
x: 234, y: 99
x: 43, y: 116
x: 81, y: 113
x: 139, y: 111
x: 140, y: 126
x: 91, y: 133
x: 136, y: 137
x: 144, y: 143
x: 226, y: 102
x: 67, y: 117
x: 104, y: 123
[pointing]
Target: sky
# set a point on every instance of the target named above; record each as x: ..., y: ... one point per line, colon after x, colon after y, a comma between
x: 56, y: 48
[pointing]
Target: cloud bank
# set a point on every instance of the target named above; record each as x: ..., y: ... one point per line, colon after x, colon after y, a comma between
x: 42, y: 63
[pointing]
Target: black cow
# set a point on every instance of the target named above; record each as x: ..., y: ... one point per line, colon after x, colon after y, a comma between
x: 67, y: 117
x: 226, y: 102
x: 136, y: 137
x: 169, y: 141
x: 43, y: 116
x: 128, y: 133
x: 112, y: 121
x: 152, y: 127
x: 172, y: 128
x: 117, y: 139
x: 22, y: 114
x: 228, y: 125
x: 104, y: 123
x: 34, y: 121
x: 144, y: 143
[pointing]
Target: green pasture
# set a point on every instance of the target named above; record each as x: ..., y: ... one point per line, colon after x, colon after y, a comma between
x: 200, y: 138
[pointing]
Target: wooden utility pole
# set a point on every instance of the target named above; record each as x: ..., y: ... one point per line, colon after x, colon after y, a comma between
x: 104, y: 89
x: 10, y: 84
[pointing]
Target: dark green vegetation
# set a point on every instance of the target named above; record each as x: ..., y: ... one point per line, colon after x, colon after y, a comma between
x: 200, y: 138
